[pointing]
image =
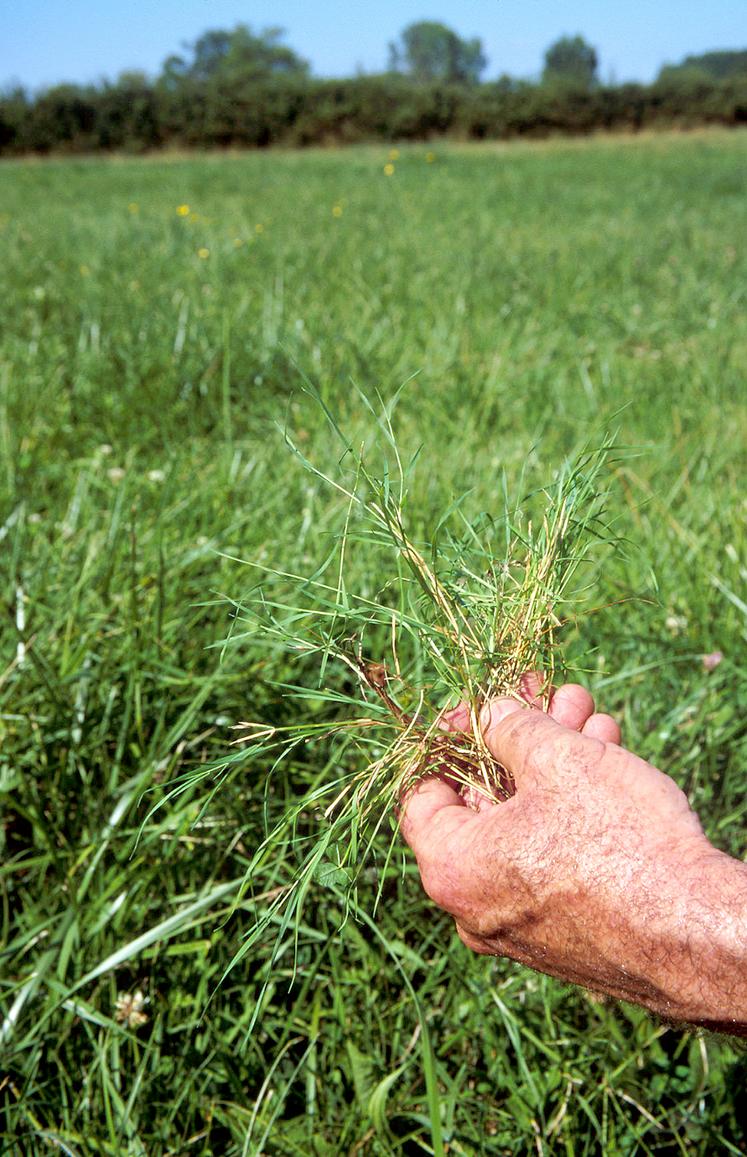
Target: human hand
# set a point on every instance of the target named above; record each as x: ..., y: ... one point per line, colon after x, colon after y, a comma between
x: 596, y: 871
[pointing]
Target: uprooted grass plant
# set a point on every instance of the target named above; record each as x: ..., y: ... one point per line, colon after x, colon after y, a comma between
x: 460, y: 617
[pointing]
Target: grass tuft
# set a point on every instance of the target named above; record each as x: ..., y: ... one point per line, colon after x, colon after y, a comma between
x: 460, y: 618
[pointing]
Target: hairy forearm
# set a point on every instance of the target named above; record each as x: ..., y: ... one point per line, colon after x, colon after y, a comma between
x: 714, y: 946
x: 695, y: 943
x: 667, y: 932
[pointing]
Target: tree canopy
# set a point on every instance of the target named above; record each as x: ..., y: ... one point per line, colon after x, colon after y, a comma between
x: 571, y: 61
x: 430, y: 51
x: 236, y: 55
x: 714, y: 65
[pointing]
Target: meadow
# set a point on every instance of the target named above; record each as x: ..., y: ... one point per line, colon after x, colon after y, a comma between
x: 161, y: 317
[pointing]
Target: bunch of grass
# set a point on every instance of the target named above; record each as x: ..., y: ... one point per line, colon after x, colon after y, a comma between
x: 462, y: 615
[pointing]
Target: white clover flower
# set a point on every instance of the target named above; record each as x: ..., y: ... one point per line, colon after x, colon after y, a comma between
x: 128, y: 1009
x: 675, y: 624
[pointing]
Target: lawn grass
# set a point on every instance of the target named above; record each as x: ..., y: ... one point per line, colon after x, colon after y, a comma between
x: 537, y: 295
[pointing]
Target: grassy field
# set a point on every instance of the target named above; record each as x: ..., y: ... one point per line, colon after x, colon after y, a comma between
x: 159, y: 317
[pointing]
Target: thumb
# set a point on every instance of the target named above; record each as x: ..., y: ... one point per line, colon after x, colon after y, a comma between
x: 528, y: 742
x: 432, y: 805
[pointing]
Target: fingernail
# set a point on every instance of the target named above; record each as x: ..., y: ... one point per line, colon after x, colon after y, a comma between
x: 492, y: 713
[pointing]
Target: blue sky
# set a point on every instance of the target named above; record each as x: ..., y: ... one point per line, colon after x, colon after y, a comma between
x: 46, y: 41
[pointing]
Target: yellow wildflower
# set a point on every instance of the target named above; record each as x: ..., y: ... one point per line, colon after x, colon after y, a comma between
x: 133, y: 207
x: 394, y: 154
x: 259, y: 227
x: 182, y: 210
x: 388, y: 169
x: 430, y: 158
x: 203, y: 253
x: 337, y: 210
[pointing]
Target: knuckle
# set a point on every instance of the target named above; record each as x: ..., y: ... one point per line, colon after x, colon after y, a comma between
x: 475, y: 943
x: 568, y: 753
x: 522, y: 729
x: 484, y: 924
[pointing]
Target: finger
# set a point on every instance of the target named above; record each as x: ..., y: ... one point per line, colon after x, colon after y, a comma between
x: 533, y: 687
x: 456, y: 719
x: 601, y: 726
x: 533, y: 746
x: 431, y: 806
x: 571, y: 706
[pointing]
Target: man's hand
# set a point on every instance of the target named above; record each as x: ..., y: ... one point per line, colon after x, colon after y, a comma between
x: 597, y: 871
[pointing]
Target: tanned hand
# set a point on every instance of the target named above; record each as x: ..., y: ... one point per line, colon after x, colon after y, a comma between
x: 596, y: 871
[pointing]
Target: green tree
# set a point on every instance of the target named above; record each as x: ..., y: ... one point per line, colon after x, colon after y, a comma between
x: 430, y: 51
x: 63, y: 116
x: 570, y: 62
x: 127, y: 114
x: 236, y: 55
x: 713, y: 65
x: 15, y: 104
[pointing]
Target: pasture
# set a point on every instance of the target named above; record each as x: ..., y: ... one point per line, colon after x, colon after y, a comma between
x: 160, y: 316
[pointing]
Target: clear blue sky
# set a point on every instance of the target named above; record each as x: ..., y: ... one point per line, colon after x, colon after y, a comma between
x: 46, y: 41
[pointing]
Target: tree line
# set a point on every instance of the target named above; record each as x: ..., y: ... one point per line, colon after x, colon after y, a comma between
x: 245, y: 89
